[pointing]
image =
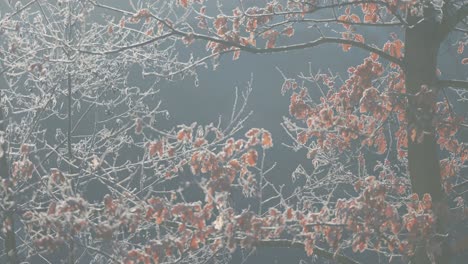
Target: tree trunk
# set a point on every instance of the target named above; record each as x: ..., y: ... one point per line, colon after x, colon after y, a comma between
x: 421, y: 49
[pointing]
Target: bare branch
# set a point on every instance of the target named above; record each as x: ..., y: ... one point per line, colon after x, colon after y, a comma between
x: 315, y: 43
x: 136, y: 45
x: 284, y: 243
x: 251, y: 49
x: 458, y: 84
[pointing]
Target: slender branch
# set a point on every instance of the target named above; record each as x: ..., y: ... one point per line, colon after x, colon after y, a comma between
x: 311, y: 44
x: 460, y: 185
x: 71, y: 255
x: 315, y: 8
x: 453, y: 83
x: 284, y: 243
x: 101, y: 252
x: 20, y: 10
x: 10, y: 239
x: 325, y: 40
x: 136, y: 45
x: 69, y: 117
x: 341, y: 21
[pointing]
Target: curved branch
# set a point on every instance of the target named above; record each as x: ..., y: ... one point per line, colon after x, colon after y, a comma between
x: 251, y: 49
x: 284, y: 243
x: 311, y: 44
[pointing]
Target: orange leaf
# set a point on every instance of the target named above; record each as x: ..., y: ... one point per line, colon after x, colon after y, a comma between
x: 309, y: 247
x: 267, y: 142
x: 194, y: 243
x: 355, y: 18
x: 253, y: 132
x: 346, y: 47
x: 381, y: 145
x: 414, y: 132
x: 302, y: 137
x: 183, y: 3
x: 235, y: 164
x: 271, y: 42
x: 359, y: 38
x: 250, y: 157
x: 289, y: 213
x: 236, y: 55
x: 461, y: 47
x: 156, y: 148
x: 289, y: 31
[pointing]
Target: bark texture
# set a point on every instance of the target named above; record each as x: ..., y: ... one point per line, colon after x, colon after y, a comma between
x: 422, y: 43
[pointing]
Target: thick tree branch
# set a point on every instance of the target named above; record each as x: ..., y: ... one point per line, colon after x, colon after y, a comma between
x: 462, y: 13
x: 451, y: 20
x: 453, y: 83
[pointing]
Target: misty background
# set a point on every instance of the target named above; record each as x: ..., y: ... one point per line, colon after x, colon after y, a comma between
x: 215, y: 93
